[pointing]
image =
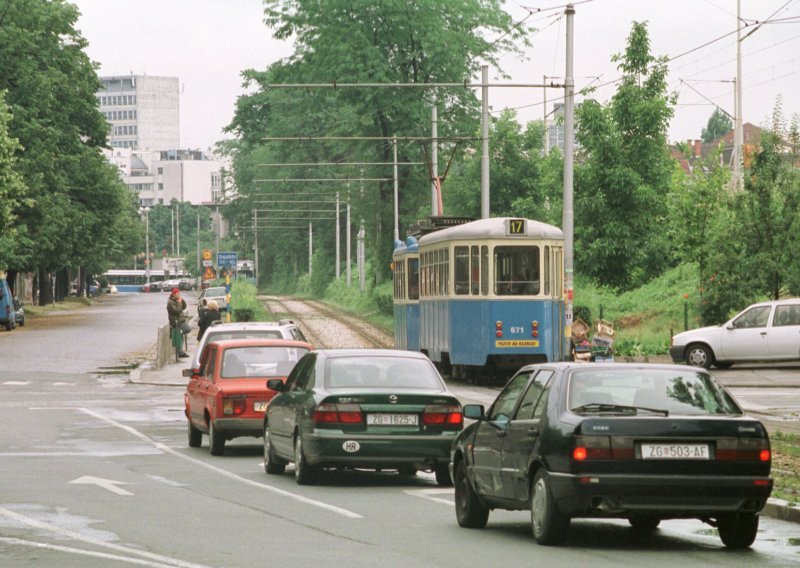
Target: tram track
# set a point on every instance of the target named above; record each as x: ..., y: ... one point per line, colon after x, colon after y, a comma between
x: 326, y: 326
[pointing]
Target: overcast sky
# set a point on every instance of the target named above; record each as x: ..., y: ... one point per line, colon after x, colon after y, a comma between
x: 207, y: 43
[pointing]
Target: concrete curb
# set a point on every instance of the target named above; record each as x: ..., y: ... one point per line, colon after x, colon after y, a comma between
x: 780, y: 509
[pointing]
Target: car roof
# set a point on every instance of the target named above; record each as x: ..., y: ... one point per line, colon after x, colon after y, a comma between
x: 251, y: 325
x: 572, y: 365
x: 251, y: 342
x: 353, y: 352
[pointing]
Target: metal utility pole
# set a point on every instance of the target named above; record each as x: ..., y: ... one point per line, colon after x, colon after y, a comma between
x: 396, y: 193
x: 310, y: 248
x: 569, y: 150
x: 199, y: 272
x: 338, y: 239
x: 347, y: 256
x: 360, y: 256
x: 434, y: 159
x: 738, y: 133
x: 255, y: 246
x: 485, y: 142
x: 544, y: 118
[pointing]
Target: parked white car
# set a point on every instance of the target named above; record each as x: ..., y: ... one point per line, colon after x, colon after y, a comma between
x: 767, y: 331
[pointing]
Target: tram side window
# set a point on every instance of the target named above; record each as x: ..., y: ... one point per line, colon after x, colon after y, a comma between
x: 462, y: 274
x: 399, y: 280
x: 413, y: 279
x: 484, y: 270
x: 517, y: 271
x: 547, y: 271
x: 475, y: 270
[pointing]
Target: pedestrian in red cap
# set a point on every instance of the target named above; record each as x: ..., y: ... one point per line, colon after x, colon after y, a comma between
x: 175, y: 312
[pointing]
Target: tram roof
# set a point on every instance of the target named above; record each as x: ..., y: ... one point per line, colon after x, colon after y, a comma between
x: 494, y: 228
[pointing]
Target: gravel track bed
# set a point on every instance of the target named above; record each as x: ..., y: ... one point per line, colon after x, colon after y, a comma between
x: 326, y: 327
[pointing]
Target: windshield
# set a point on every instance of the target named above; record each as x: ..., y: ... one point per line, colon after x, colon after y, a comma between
x: 645, y: 390
x: 215, y: 292
x: 382, y: 373
x: 260, y: 361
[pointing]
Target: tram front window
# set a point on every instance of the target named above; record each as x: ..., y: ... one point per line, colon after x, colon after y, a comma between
x: 516, y: 270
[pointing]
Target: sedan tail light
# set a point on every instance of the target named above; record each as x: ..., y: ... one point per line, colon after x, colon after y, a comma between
x: 592, y: 448
x: 744, y: 449
x: 330, y: 413
x: 442, y: 415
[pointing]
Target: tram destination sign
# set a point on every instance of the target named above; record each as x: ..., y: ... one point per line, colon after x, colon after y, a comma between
x: 226, y: 259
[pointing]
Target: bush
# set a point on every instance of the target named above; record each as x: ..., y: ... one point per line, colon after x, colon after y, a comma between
x: 244, y: 302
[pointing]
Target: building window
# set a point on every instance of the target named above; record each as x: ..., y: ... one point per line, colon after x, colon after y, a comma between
x: 160, y: 171
x: 160, y: 186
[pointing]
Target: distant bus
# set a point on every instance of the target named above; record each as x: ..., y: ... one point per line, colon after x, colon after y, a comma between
x: 133, y: 280
x: 246, y: 269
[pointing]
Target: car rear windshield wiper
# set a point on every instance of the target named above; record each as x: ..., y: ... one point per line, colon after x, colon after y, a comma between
x: 605, y: 407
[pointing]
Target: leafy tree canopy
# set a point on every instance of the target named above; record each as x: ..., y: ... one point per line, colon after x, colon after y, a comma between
x: 718, y: 125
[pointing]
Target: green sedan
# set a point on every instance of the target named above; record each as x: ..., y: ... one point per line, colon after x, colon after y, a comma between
x: 361, y: 408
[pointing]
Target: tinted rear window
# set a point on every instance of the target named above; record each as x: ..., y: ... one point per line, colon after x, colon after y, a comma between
x: 678, y: 392
x: 381, y: 372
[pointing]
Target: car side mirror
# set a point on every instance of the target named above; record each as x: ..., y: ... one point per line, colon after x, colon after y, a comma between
x: 276, y: 385
x: 188, y: 372
x: 474, y: 411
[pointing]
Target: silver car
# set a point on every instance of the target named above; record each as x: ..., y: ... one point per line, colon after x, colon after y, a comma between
x: 283, y: 329
x: 216, y: 293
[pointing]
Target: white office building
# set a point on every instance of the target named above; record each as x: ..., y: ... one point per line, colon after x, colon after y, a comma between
x: 142, y: 111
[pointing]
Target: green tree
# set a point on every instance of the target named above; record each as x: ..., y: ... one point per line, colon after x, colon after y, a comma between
x: 624, y: 173
x: 12, y: 187
x: 718, y: 125
x: 385, y: 42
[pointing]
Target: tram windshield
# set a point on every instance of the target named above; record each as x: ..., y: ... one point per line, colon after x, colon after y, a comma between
x: 516, y: 270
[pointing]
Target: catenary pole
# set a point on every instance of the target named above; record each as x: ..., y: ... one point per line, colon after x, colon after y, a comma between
x: 434, y: 158
x: 485, y: 142
x: 338, y: 239
x: 569, y: 150
x: 396, y: 193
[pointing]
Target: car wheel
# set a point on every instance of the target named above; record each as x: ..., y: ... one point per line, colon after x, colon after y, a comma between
x: 471, y: 512
x: 443, y: 475
x: 644, y: 523
x: 272, y: 464
x: 195, y: 436
x: 304, y: 473
x: 699, y: 355
x: 9, y: 327
x: 548, y: 525
x: 216, y: 441
x: 738, y: 530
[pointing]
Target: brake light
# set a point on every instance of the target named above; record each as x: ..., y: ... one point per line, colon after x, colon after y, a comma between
x: 441, y: 415
x: 534, y: 328
x: 498, y: 326
x: 331, y: 413
x: 592, y: 448
x: 233, y: 406
x: 744, y: 449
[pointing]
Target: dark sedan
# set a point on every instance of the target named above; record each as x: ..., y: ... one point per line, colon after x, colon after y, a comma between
x: 361, y: 408
x: 640, y: 442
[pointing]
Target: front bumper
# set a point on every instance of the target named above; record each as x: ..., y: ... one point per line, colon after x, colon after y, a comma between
x: 376, y: 451
x: 667, y: 496
x: 677, y: 353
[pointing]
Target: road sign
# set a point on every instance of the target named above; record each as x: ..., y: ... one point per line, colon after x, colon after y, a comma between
x: 209, y: 273
x: 206, y: 254
x: 226, y: 259
x: 208, y: 263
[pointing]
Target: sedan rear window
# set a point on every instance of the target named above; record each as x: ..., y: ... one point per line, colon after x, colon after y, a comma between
x: 381, y: 372
x: 215, y: 292
x: 260, y: 361
x: 640, y: 391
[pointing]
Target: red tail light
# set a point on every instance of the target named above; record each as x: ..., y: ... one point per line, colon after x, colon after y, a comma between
x: 234, y: 406
x: 331, y: 413
x: 592, y: 448
x: 441, y: 415
x: 498, y: 326
x: 744, y: 449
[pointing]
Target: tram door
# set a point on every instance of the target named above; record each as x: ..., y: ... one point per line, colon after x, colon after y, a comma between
x: 554, y: 289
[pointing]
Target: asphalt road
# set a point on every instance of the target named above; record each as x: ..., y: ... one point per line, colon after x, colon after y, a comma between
x: 96, y: 472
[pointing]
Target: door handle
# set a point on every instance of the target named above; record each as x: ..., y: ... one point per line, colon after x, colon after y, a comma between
x: 763, y: 333
x: 533, y: 432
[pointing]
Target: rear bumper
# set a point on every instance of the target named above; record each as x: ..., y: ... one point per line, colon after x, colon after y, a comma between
x: 374, y: 451
x: 234, y: 427
x: 666, y: 495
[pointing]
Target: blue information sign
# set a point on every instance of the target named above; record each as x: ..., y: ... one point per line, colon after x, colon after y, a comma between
x: 226, y: 259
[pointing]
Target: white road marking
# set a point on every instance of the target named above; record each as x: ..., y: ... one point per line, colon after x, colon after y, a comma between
x: 16, y: 383
x: 107, y: 484
x: 429, y: 495
x: 223, y: 472
x: 161, y: 560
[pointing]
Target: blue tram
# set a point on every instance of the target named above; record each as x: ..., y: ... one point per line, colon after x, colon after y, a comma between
x: 405, y: 267
x: 490, y: 297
